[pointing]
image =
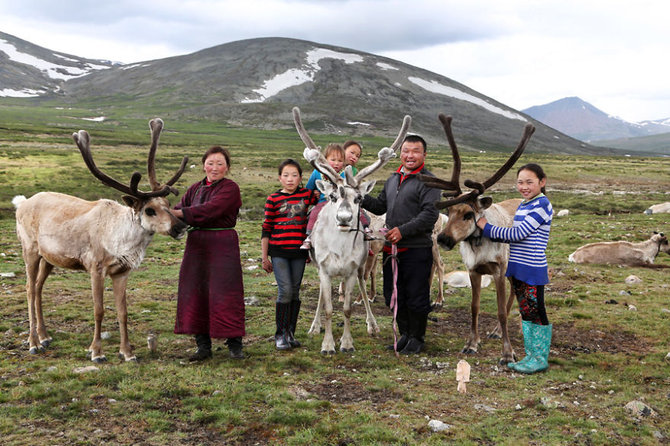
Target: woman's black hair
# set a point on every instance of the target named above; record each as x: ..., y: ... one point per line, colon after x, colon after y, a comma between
x: 289, y: 162
x: 536, y: 169
x: 217, y: 149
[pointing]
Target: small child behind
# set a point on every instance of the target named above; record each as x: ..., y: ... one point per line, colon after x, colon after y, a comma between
x: 335, y: 156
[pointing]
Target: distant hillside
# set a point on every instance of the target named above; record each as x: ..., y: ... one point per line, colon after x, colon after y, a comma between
x: 256, y: 82
x: 29, y: 70
x: 583, y: 121
x: 659, y: 144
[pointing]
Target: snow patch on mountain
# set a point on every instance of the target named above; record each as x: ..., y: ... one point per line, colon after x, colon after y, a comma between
x: 54, y: 71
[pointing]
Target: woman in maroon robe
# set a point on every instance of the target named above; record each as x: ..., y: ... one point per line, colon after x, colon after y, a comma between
x: 211, y: 294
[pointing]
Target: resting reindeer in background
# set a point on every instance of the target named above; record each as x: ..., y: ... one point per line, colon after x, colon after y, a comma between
x: 480, y: 254
x: 622, y: 252
x: 338, y: 247
x: 102, y: 237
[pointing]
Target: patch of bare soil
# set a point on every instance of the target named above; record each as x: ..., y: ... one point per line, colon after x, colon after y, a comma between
x: 347, y: 391
x: 566, y: 338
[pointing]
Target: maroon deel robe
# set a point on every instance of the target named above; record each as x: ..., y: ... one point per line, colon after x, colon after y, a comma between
x: 211, y: 292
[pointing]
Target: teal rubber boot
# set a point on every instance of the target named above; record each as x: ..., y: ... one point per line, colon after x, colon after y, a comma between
x: 527, y: 331
x: 541, y: 340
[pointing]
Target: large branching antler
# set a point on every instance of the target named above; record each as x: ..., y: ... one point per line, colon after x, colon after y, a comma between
x: 384, y: 156
x: 83, y: 141
x: 477, y: 187
x: 156, y: 126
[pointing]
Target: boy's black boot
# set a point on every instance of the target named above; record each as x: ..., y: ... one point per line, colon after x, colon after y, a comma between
x: 282, y: 319
x: 293, y: 321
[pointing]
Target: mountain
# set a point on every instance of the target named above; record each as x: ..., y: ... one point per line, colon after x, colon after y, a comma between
x: 29, y: 70
x: 583, y: 121
x: 256, y: 82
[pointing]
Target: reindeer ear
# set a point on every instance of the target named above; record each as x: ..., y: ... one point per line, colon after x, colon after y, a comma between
x: 325, y: 187
x: 130, y: 201
x: 485, y: 202
x: 368, y: 186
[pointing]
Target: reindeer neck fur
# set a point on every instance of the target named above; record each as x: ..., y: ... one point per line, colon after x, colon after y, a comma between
x: 337, y: 252
x: 477, y: 252
x: 126, y: 239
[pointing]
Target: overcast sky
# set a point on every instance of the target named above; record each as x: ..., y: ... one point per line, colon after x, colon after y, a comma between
x: 610, y: 53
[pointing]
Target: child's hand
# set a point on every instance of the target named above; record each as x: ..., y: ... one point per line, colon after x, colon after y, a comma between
x: 482, y: 222
x: 267, y: 265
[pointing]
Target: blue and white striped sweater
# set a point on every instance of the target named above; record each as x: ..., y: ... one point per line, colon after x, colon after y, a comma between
x: 528, y: 240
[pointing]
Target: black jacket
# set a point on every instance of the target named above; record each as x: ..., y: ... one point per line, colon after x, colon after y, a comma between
x: 410, y: 206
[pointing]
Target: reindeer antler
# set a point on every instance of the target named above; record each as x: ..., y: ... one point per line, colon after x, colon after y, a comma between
x: 83, y: 141
x: 384, y: 156
x: 477, y: 188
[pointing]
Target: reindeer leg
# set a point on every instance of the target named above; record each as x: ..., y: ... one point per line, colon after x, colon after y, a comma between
x: 373, y: 278
x: 503, y: 310
x: 119, y: 283
x: 340, y: 293
x: 347, y: 341
x: 97, y: 287
x: 32, y: 262
x: 315, y: 328
x: 45, y: 269
x: 472, y: 345
x: 328, y: 343
x: 369, y: 316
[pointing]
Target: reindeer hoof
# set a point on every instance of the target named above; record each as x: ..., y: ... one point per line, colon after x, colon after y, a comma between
x: 358, y: 302
x: 46, y: 342
x: 36, y: 350
x: 99, y: 359
x: 347, y: 350
x: 469, y: 350
x: 505, y: 360
x: 327, y: 352
x: 436, y: 305
x: 493, y: 335
x: 128, y: 358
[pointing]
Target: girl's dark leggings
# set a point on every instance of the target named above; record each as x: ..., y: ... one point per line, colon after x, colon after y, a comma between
x: 531, y: 302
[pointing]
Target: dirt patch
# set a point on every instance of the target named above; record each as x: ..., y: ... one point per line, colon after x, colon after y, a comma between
x: 566, y: 339
x: 347, y: 391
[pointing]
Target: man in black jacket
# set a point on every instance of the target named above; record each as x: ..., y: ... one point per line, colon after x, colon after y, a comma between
x: 410, y: 216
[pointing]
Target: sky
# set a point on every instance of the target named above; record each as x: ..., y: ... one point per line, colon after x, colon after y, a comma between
x: 610, y: 53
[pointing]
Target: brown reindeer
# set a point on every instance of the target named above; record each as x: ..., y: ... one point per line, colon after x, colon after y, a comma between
x: 102, y: 237
x: 480, y: 254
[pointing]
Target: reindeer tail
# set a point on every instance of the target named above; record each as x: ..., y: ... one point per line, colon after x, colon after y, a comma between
x: 17, y: 200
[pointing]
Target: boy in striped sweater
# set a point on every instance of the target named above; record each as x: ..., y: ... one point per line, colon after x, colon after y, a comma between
x: 527, y: 266
x: 282, y: 234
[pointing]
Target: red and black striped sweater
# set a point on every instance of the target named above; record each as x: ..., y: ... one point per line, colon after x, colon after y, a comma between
x: 286, y: 222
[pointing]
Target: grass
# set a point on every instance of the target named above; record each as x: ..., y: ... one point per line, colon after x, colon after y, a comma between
x: 603, y: 354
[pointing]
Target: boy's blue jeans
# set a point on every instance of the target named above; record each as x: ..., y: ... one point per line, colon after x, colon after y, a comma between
x: 288, y: 273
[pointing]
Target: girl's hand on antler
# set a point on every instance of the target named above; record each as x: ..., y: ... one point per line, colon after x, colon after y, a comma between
x: 482, y: 222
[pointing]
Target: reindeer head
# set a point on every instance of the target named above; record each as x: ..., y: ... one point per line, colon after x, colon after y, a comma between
x: 464, y: 209
x: 152, y: 208
x: 662, y: 240
x: 346, y: 193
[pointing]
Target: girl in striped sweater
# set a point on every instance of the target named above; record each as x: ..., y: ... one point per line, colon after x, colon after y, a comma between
x: 282, y: 234
x: 527, y: 266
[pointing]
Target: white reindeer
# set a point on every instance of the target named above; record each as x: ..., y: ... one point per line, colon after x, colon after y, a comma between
x: 660, y: 208
x: 622, y: 252
x: 102, y: 237
x: 339, y: 248
x: 480, y: 254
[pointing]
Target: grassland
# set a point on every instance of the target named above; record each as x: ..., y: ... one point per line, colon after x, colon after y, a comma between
x: 603, y: 356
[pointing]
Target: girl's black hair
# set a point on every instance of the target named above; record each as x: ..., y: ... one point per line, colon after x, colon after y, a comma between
x: 289, y: 162
x: 536, y: 169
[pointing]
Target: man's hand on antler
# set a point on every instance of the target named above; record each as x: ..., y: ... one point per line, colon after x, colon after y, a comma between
x: 310, y: 154
x: 386, y: 154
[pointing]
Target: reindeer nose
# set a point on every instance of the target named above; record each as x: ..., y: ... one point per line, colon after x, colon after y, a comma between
x: 344, y: 214
x: 446, y: 241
